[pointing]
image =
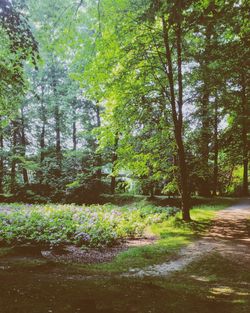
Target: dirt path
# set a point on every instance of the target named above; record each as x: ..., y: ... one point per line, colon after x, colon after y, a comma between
x: 229, y: 236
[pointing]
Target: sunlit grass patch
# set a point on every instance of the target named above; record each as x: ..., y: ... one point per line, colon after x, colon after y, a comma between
x: 171, y: 234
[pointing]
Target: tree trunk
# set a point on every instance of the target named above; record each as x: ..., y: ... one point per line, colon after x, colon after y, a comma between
x: 58, y: 133
x: 74, y: 139
x: 42, y: 134
x: 99, y: 158
x: 204, y: 189
x: 177, y: 116
x: 244, y: 135
x: 13, y: 159
x: 23, y: 148
x: 42, y: 142
x: 216, y: 149
x: 57, y: 121
x: 114, y: 159
x: 205, y: 135
x: 74, y: 135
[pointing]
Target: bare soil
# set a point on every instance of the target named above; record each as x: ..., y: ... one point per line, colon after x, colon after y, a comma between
x: 75, y: 254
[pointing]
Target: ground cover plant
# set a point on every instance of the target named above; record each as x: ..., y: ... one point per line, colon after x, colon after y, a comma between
x: 94, y: 226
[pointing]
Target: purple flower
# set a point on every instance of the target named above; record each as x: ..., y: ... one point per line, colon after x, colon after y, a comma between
x: 83, y: 236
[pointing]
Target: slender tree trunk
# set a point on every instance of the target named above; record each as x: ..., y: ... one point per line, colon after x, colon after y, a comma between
x: 74, y: 139
x: 204, y: 189
x: 244, y: 135
x: 1, y: 160
x: 42, y: 140
x: 57, y: 120
x: 74, y: 136
x: 13, y: 158
x: 179, y: 134
x: 216, y: 149
x: 23, y: 148
x: 99, y: 158
x: 58, y: 132
x: 114, y: 159
x: 57, y: 123
x: 58, y: 140
x: 42, y: 136
x: 205, y: 135
x: 177, y: 115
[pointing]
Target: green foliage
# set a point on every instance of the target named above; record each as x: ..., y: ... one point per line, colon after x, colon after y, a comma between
x: 91, y: 226
x: 11, y: 82
x: 95, y: 114
x: 171, y: 234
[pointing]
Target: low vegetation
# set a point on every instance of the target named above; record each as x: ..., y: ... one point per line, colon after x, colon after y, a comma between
x: 105, y: 225
x: 94, y: 226
x: 172, y: 234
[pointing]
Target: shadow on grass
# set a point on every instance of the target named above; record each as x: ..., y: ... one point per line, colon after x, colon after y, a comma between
x: 213, y: 284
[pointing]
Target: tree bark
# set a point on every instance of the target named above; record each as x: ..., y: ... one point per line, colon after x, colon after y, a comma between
x: 216, y: 149
x: 74, y: 136
x: 74, y: 139
x: 57, y: 121
x: 58, y: 133
x: 42, y: 136
x: 244, y: 135
x: 114, y: 159
x: 23, y: 148
x: 13, y: 159
x: 204, y: 189
x: 99, y: 158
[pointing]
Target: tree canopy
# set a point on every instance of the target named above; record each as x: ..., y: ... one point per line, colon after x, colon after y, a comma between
x: 140, y: 96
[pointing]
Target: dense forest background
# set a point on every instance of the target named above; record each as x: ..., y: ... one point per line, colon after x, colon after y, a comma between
x: 127, y: 96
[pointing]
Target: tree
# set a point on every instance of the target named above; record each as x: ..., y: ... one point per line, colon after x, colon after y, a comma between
x: 166, y: 23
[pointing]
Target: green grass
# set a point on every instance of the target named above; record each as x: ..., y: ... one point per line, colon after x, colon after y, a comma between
x: 219, y: 281
x: 213, y: 284
x: 172, y: 235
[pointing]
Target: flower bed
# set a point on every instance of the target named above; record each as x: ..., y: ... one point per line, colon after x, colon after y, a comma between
x: 97, y: 225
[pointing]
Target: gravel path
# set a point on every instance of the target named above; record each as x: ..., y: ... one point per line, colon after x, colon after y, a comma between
x: 229, y: 236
